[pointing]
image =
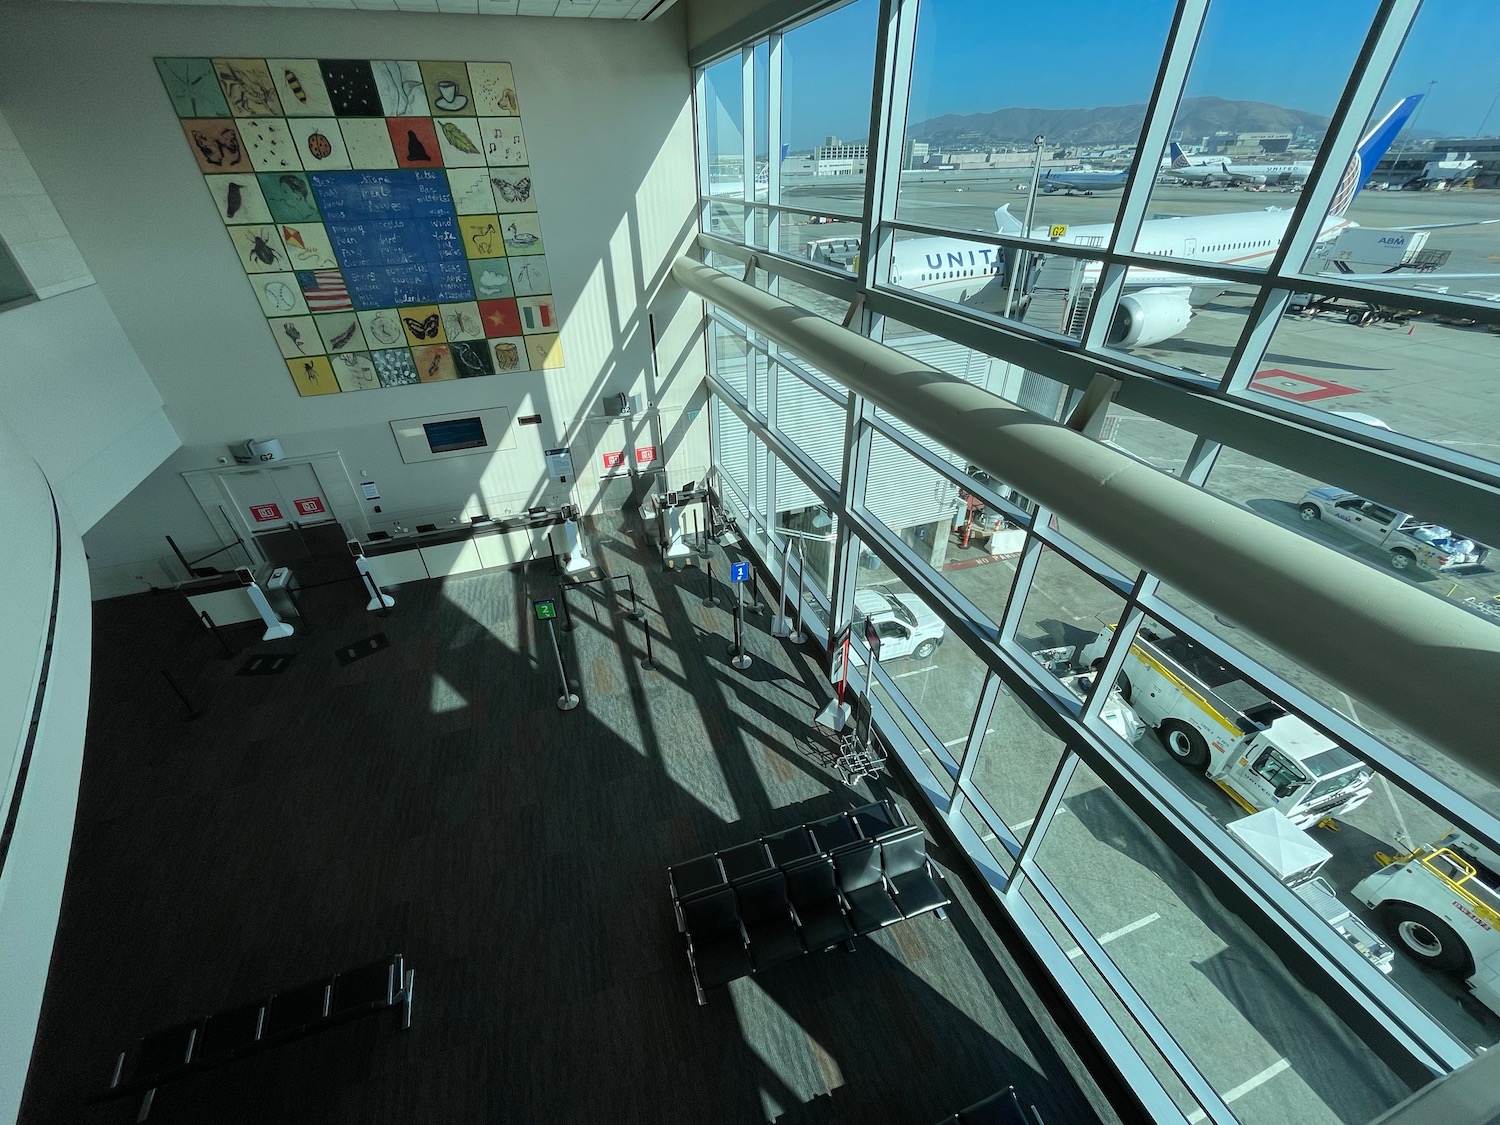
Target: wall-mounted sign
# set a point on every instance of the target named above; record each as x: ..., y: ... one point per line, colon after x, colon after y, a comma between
x: 559, y: 464
x: 265, y: 513
x: 645, y: 454
x: 369, y: 489
x: 613, y: 460
x: 309, y: 505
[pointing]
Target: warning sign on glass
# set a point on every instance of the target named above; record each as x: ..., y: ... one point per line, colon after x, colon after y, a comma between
x: 645, y: 454
x: 265, y: 513
x: 613, y: 460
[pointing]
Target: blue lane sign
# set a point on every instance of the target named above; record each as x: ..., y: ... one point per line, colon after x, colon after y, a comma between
x: 739, y: 572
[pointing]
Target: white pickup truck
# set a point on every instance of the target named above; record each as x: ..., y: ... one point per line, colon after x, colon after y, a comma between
x: 1410, y: 541
x: 906, y: 627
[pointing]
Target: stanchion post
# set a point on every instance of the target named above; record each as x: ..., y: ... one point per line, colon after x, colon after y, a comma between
x: 708, y: 571
x: 781, y: 624
x: 214, y: 629
x: 636, y: 613
x: 650, y: 662
x: 191, y: 711
x: 567, y: 613
x: 738, y: 572
x: 552, y: 549
x: 796, y: 635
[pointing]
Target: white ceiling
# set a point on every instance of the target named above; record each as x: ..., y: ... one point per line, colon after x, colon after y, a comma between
x: 576, y: 9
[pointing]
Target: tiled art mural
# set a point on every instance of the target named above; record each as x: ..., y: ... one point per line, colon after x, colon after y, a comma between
x: 383, y: 213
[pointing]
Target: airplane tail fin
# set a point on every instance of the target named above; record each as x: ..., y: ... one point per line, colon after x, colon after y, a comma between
x: 1179, y: 159
x: 1371, y: 149
x: 1005, y: 222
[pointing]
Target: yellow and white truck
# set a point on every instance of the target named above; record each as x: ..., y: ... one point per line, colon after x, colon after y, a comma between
x: 1210, y: 719
x: 1442, y: 906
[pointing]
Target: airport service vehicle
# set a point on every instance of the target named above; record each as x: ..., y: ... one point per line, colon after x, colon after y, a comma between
x: 906, y: 627
x: 1442, y: 906
x: 1210, y: 719
x: 1410, y: 541
x: 1116, y: 712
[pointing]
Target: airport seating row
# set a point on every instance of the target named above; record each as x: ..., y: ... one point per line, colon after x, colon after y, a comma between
x: 805, y: 904
x: 1002, y: 1108
x: 197, y: 1045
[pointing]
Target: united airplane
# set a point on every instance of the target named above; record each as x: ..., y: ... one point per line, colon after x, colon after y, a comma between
x: 1086, y: 181
x: 1196, y: 170
x: 1159, y: 304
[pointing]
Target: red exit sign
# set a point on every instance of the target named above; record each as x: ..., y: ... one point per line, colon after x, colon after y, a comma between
x: 613, y: 460
x: 309, y: 506
x: 265, y: 513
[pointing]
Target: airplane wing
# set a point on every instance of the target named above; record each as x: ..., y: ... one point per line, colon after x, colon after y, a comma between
x: 1444, y: 226
x: 1422, y: 277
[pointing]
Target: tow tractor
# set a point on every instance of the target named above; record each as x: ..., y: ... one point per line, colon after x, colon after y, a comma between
x: 1210, y: 719
x: 1442, y: 906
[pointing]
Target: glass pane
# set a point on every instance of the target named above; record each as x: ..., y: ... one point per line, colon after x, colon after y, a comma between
x: 911, y: 498
x: 1232, y: 132
x: 723, y: 118
x: 1263, y: 1041
x: 1015, y: 763
x: 804, y: 522
x: 727, y: 220
x: 1004, y: 861
x: 1147, y: 1050
x: 807, y: 419
x: 727, y: 357
x: 1370, y: 363
x: 969, y: 140
x: 829, y: 308
x: 942, y: 765
x: 960, y: 272
x: 818, y: 238
x: 828, y: 74
x: 731, y: 442
x: 760, y: 64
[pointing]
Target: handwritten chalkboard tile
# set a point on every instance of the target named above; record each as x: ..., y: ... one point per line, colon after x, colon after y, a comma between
x: 451, y: 282
x: 351, y: 87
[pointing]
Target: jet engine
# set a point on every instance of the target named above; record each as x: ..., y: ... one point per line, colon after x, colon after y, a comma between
x: 1149, y: 317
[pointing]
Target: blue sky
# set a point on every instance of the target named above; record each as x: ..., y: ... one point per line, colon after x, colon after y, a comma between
x: 979, y: 55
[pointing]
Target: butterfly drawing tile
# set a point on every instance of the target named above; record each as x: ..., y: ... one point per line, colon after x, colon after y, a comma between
x: 423, y: 324
x: 260, y: 248
x: 351, y: 87
x: 494, y: 89
x: 383, y: 328
x: 193, y: 87
x: 320, y: 143
x: 503, y: 143
x: 501, y: 318
x: 313, y: 376
x: 269, y: 144
x: 470, y: 188
x: 289, y: 197
x: 340, y: 332
x: 278, y: 294
x: 491, y: 278
x: 461, y: 321
x: 471, y: 358
x: 415, y: 142
x: 458, y: 137
x: 308, y: 246
x: 509, y: 354
x: 238, y: 198
x: 296, y: 336
x: 512, y: 187
x: 481, y: 236
x: 299, y: 85
x: 355, y: 371
x: 538, y: 314
x: 434, y: 363
x: 529, y: 276
x: 368, y: 142
x: 523, y: 234
x: 544, y: 352
x: 248, y: 87
x: 401, y: 89
x: 447, y: 86
x: 216, y: 144
x: 394, y: 367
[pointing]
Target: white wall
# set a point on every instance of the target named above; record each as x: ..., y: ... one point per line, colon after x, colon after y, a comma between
x: 607, y: 111
x: 36, y: 861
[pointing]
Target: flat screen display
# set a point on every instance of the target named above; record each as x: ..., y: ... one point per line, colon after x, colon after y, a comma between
x: 457, y: 433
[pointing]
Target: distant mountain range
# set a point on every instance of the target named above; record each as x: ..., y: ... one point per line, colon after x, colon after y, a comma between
x: 1112, y: 124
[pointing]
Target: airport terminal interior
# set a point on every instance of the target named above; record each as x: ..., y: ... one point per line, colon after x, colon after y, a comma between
x: 794, y: 561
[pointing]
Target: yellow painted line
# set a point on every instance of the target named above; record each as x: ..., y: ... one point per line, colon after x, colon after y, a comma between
x: 1236, y: 798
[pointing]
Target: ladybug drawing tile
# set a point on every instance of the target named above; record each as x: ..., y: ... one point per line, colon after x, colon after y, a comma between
x: 319, y: 142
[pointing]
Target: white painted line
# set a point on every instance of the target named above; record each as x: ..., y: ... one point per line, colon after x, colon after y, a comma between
x: 1245, y: 1087
x: 1025, y: 824
x: 915, y: 672
x: 1105, y: 939
x: 956, y: 741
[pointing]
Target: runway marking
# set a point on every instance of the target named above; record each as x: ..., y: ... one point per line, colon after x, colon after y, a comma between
x: 915, y: 672
x: 1105, y: 939
x: 955, y: 741
x: 1025, y: 824
x: 1245, y: 1087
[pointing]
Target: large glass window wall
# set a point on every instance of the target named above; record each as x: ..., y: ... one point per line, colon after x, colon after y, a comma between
x: 1099, y: 812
